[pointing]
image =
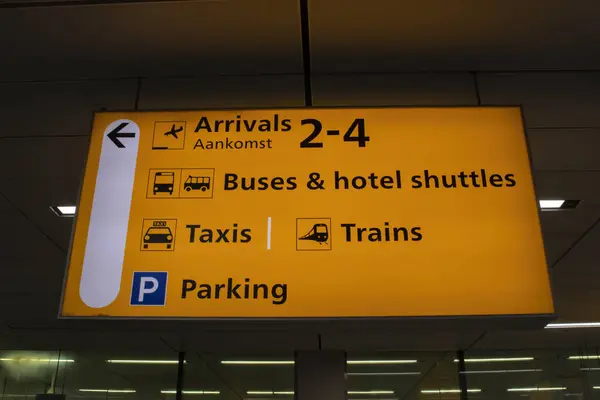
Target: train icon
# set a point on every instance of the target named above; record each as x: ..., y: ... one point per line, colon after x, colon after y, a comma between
x: 313, y: 234
x: 319, y: 233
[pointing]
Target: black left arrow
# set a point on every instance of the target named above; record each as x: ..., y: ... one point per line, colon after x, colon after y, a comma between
x: 116, y: 134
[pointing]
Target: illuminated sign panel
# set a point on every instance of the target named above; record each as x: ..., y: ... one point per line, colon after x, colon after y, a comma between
x: 352, y: 212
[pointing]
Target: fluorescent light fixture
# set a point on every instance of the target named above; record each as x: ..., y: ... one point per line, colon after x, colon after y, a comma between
x: 380, y: 362
x: 143, y: 361
x: 270, y: 392
x: 549, y: 204
x: 382, y: 373
x: 537, y: 389
x: 498, y: 359
x: 500, y: 371
x: 589, y: 369
x: 64, y: 211
x: 571, y: 325
x: 378, y: 398
x: 257, y: 362
x: 108, y: 390
x: 586, y: 357
x: 442, y: 391
x: 371, y: 392
x: 39, y: 360
x: 191, y: 392
x: 291, y: 362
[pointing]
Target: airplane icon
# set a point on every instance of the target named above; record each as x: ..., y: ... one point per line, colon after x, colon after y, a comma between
x: 173, y: 132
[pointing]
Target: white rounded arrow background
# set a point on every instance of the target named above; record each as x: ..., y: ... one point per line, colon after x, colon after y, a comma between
x: 107, y: 234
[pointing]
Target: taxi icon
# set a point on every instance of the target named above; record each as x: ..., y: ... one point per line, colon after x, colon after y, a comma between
x: 160, y: 235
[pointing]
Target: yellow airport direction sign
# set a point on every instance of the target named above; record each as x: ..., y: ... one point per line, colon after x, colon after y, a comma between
x: 312, y: 212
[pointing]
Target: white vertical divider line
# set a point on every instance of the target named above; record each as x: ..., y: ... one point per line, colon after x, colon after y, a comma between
x: 268, y: 233
x: 109, y: 220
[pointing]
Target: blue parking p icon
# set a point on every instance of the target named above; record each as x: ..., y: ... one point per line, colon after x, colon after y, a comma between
x: 149, y: 289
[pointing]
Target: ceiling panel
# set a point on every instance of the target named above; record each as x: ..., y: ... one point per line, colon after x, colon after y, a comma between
x: 556, y: 244
x: 468, y: 35
x: 549, y: 99
x: 35, y: 202
x: 59, y: 108
x: 567, y: 340
x: 222, y: 92
x: 581, y: 263
x: 565, y: 149
x: 152, y: 38
x: 568, y: 221
x: 36, y: 160
x: 575, y: 185
x: 32, y: 266
x: 393, y: 89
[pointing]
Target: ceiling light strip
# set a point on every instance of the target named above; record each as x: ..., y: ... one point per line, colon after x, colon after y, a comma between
x: 585, y: 357
x: 537, y: 389
x: 551, y: 204
x: 382, y: 373
x: 144, y: 362
x: 496, y: 359
x: 380, y: 362
x: 257, y: 362
x: 171, y: 391
x: 373, y: 392
x: 572, y: 325
x: 291, y: 362
x: 291, y: 392
x: 44, y: 360
x: 443, y: 391
x: 501, y: 371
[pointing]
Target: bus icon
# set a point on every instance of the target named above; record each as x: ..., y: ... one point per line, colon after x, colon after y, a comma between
x: 164, y: 182
x: 197, y: 183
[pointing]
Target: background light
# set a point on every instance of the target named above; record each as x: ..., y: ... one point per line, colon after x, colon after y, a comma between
x: 64, y: 211
x: 291, y: 362
x: 191, y: 392
x: 36, y: 360
x: 143, y: 361
x: 587, y: 357
x: 496, y: 359
x: 551, y: 203
x: 571, y: 325
x: 500, y: 371
x: 380, y: 362
x: 537, y: 389
x: 442, y: 391
x: 257, y: 362
x: 381, y: 373
x: 370, y: 392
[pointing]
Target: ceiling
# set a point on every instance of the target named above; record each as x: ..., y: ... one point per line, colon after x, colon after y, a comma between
x: 63, y: 60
